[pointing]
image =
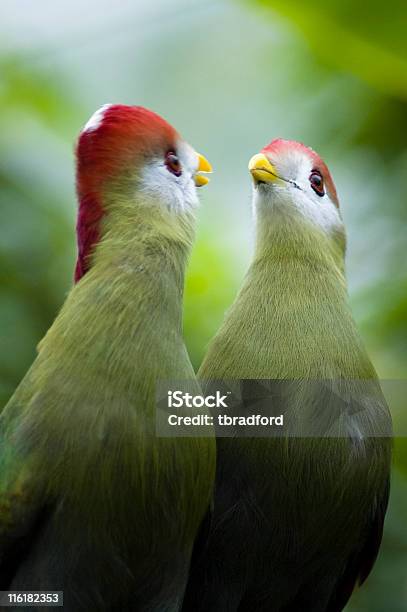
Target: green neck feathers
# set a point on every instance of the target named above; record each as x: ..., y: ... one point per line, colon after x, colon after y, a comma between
x: 127, y: 308
x: 291, y: 318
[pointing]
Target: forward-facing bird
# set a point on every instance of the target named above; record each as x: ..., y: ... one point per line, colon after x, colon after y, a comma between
x: 297, y: 519
x: 92, y: 502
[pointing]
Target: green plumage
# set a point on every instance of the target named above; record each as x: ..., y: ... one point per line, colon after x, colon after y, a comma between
x: 296, y: 521
x: 291, y: 318
x: 107, y: 511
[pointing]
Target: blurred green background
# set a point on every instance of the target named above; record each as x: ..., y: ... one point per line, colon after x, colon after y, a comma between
x: 230, y: 76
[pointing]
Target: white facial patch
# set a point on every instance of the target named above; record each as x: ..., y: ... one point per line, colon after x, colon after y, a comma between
x: 95, y: 121
x: 177, y: 193
x: 297, y: 196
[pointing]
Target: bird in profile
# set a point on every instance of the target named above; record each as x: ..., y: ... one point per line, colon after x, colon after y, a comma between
x: 92, y: 502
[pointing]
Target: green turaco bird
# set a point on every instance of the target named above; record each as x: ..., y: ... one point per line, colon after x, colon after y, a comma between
x: 92, y: 502
x: 297, y: 519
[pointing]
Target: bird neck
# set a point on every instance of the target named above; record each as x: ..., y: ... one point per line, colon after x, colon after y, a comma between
x: 139, y: 263
x: 292, y: 311
x: 289, y: 239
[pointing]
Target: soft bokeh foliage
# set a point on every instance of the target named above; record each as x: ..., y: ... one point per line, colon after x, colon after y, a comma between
x: 230, y: 76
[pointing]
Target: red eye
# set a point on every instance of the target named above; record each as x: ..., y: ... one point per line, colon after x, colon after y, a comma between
x: 317, y: 182
x: 173, y: 164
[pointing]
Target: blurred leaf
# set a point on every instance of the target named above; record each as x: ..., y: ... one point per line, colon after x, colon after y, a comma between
x: 24, y: 88
x: 210, y: 289
x: 366, y: 39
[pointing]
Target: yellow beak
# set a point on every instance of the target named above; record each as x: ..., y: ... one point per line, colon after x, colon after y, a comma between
x: 262, y: 170
x: 203, y: 166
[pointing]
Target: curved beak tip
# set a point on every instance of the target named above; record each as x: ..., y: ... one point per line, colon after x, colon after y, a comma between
x: 261, y: 169
x: 203, y: 166
x: 201, y: 180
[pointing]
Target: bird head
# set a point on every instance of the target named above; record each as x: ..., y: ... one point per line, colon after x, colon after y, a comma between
x: 292, y: 182
x: 129, y: 158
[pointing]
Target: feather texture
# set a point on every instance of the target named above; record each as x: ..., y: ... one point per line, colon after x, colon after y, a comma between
x: 92, y: 502
x: 296, y: 522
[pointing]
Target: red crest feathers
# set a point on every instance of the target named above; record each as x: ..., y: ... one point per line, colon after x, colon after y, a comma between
x: 279, y: 145
x: 117, y: 137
